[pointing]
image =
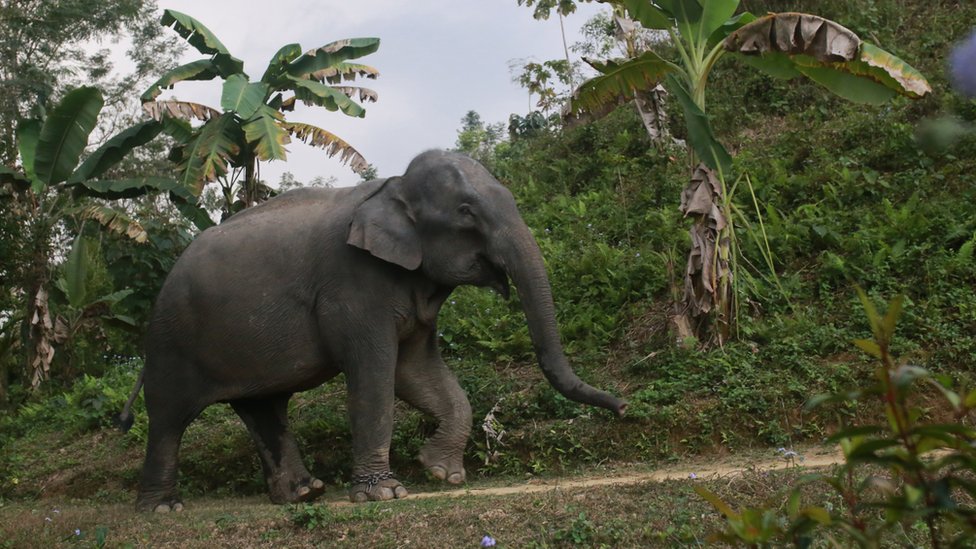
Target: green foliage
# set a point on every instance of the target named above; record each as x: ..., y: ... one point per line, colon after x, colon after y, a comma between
x: 478, y: 140
x: 51, y: 47
x: 90, y: 403
x: 52, y: 192
x: 844, y: 193
x: 311, y: 516
x: 598, y: 230
x: 541, y: 80
x: 251, y: 125
x: 925, y: 466
x: 700, y: 34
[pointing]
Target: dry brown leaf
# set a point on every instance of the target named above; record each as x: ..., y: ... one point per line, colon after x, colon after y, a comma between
x: 41, y: 328
x: 702, y: 198
x: 183, y: 110
x: 796, y: 33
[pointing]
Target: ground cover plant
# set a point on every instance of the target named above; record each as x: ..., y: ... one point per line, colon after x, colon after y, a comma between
x: 878, y: 197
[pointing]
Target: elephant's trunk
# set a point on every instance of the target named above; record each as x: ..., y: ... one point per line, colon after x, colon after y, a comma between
x: 523, y: 263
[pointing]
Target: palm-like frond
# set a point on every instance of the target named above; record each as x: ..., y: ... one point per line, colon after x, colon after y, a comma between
x: 279, y: 63
x: 265, y: 133
x: 183, y: 110
x: 617, y: 84
x: 203, y: 69
x: 342, y: 72
x: 206, y: 157
x: 201, y: 38
x: 113, y: 189
x: 64, y: 134
x: 243, y: 97
x: 115, y: 221
x: 786, y: 45
x: 115, y: 149
x: 315, y: 93
x: 331, y: 55
x: 329, y: 142
x: 364, y: 95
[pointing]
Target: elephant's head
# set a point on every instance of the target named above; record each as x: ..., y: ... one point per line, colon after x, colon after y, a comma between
x: 448, y: 217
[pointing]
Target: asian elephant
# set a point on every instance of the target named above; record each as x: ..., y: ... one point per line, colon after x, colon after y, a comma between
x: 316, y: 282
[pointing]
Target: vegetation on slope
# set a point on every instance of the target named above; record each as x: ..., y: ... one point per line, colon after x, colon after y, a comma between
x: 847, y: 195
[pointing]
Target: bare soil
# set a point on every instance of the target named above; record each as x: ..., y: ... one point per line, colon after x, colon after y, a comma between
x: 698, y: 468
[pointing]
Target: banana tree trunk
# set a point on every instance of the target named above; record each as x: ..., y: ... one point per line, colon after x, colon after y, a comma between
x: 708, y: 293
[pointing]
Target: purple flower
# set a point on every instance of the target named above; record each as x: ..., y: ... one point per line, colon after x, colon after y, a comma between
x: 962, y: 66
x: 488, y: 541
x: 692, y: 476
x: 77, y: 531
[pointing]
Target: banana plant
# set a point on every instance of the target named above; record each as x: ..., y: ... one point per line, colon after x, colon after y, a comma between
x: 250, y: 125
x: 82, y: 309
x: 53, y: 185
x: 783, y: 45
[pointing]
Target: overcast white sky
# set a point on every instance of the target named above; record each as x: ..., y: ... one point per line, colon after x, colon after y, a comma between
x: 438, y: 59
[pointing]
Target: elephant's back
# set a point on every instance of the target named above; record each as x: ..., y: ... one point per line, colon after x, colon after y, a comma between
x: 293, y: 224
x: 263, y: 257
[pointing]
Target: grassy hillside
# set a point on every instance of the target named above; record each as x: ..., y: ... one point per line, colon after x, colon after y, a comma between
x: 848, y: 195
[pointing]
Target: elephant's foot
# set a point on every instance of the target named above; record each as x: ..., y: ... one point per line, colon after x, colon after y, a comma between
x: 306, y: 489
x: 441, y: 467
x: 155, y: 505
x: 376, y: 487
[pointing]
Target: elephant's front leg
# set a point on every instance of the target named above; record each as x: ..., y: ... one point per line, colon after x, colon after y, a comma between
x: 369, y: 379
x: 426, y: 383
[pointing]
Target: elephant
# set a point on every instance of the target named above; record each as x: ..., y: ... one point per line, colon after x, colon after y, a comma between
x: 319, y: 282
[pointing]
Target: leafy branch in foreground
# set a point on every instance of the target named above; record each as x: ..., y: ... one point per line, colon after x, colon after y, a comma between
x: 902, y: 476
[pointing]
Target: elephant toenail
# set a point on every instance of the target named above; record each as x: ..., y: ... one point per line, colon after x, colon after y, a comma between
x: 359, y: 497
x: 178, y: 507
x: 162, y: 508
x: 455, y: 478
x: 439, y: 472
x: 318, y: 484
x: 400, y: 492
x: 304, y: 491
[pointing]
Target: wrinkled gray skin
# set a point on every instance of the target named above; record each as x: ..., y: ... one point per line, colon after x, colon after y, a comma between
x: 317, y: 282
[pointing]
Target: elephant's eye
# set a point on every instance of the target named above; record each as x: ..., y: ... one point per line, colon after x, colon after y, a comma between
x: 465, y: 210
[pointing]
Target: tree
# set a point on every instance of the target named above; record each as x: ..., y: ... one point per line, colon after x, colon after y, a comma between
x: 47, y: 47
x: 783, y: 45
x: 544, y: 7
x: 52, y: 191
x: 251, y: 125
x: 477, y: 140
x: 542, y: 79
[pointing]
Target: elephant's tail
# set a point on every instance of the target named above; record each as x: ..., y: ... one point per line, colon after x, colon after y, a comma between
x: 125, y: 420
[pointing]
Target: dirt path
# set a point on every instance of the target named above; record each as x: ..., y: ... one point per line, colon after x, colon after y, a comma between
x: 811, y: 458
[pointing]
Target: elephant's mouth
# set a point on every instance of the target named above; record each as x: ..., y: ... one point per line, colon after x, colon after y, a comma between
x: 492, y: 276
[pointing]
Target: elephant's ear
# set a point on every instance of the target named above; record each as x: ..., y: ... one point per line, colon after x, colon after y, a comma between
x: 383, y: 226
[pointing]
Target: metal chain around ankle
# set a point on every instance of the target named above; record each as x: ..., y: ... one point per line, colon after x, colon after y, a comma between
x: 372, y: 479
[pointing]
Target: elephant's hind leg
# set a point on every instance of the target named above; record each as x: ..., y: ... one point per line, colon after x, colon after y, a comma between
x: 157, y: 488
x: 426, y: 383
x: 267, y: 420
